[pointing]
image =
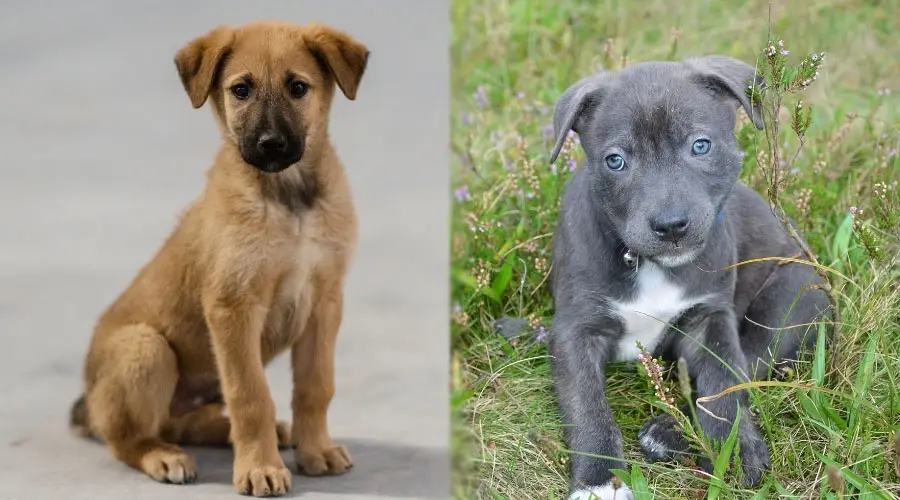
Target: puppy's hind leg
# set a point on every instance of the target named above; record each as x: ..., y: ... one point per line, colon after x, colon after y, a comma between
x: 203, y: 426
x: 662, y: 438
x: 715, y: 362
x: 129, y: 403
x: 781, y: 320
x: 207, y: 426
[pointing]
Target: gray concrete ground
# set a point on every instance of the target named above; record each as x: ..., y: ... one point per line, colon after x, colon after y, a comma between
x: 100, y: 151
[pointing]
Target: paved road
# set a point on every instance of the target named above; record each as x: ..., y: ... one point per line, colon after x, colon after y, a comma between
x: 100, y: 151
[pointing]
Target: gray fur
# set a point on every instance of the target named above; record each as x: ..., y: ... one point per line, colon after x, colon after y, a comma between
x: 651, y: 114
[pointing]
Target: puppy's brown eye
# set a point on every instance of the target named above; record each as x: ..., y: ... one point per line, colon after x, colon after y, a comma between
x: 298, y: 89
x: 241, y: 91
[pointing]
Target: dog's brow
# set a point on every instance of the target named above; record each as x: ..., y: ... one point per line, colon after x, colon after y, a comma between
x: 292, y: 75
x: 242, y: 76
x: 622, y: 141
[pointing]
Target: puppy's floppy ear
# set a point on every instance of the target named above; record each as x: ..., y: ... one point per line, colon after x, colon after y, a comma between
x: 199, y: 61
x: 731, y: 77
x: 344, y: 57
x: 571, y: 106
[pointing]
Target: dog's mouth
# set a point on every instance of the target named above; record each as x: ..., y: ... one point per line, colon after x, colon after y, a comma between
x: 669, y: 255
x: 677, y: 255
x: 667, y: 250
x: 272, y: 166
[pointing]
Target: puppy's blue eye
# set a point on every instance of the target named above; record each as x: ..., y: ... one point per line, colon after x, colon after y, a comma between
x: 700, y: 147
x: 615, y: 162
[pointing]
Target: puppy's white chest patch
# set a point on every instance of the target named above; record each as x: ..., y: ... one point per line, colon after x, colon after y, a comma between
x: 656, y: 303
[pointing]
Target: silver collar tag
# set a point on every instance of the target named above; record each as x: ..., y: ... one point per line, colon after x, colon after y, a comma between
x: 630, y: 258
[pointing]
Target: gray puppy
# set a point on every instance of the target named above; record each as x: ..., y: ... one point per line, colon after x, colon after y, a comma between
x: 646, y: 225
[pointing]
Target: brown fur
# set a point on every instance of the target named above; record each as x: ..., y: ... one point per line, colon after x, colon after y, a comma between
x: 255, y: 267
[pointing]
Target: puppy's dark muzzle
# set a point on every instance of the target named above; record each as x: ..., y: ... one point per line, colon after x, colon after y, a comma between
x: 272, y: 152
x: 670, y: 228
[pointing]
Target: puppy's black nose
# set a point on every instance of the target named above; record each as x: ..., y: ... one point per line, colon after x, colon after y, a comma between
x: 670, y: 227
x: 270, y: 143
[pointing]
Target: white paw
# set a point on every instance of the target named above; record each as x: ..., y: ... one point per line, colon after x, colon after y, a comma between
x: 605, y: 492
x: 651, y: 445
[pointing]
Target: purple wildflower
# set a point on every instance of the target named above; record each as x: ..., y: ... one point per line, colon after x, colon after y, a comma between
x: 547, y: 131
x: 571, y: 165
x: 462, y: 194
x: 785, y: 52
x: 481, y: 97
x: 541, y: 333
x: 553, y: 168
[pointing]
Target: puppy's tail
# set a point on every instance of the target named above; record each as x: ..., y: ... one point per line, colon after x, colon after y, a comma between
x: 78, y: 418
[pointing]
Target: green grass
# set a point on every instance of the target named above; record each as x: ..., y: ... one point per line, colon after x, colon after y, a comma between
x: 511, y: 61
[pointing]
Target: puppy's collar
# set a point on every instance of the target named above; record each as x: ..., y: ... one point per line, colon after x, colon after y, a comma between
x: 630, y: 258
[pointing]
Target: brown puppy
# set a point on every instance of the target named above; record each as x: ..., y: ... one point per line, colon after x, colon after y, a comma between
x: 255, y: 267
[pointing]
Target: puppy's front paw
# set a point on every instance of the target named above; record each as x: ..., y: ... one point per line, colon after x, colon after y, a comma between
x: 754, y: 456
x: 606, y: 492
x: 262, y: 480
x: 662, y: 439
x: 332, y: 459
